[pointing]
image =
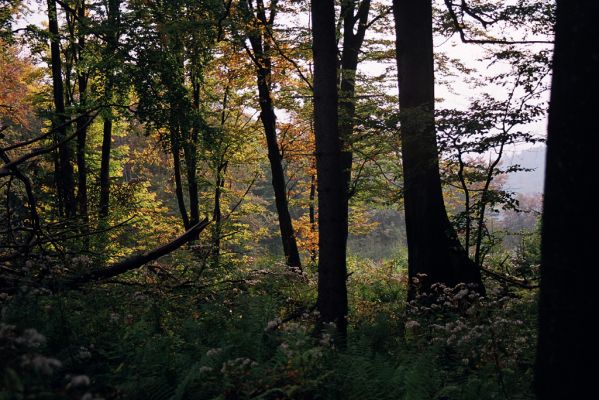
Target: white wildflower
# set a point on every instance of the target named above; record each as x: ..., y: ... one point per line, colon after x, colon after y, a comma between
x: 78, y: 381
x: 412, y: 324
x: 214, y: 352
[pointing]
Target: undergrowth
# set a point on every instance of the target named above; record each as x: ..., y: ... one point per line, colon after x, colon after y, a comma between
x: 248, y: 334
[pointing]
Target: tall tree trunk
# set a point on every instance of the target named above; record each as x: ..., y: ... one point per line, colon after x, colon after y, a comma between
x: 332, y: 198
x: 217, y: 214
x: 82, y: 125
x: 111, y: 46
x: 269, y: 121
x: 191, y: 151
x: 104, y: 204
x: 190, y: 154
x: 433, y: 246
x: 279, y: 184
x: 65, y: 180
x: 176, y: 152
x: 312, y: 214
x: 568, y: 348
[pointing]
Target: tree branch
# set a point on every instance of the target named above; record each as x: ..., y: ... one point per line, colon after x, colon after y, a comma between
x: 139, y: 260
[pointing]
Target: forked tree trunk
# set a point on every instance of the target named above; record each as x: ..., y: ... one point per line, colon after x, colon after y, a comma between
x: 568, y: 348
x: 433, y: 246
x: 353, y: 37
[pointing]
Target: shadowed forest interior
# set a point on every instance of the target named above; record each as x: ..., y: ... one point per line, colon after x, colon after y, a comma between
x: 297, y: 199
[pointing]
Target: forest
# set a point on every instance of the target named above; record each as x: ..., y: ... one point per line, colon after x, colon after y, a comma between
x: 297, y: 199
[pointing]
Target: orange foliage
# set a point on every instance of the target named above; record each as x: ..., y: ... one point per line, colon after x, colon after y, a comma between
x: 17, y: 75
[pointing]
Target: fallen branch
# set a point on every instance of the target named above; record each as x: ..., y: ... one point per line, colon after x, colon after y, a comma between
x: 508, y: 279
x: 139, y: 260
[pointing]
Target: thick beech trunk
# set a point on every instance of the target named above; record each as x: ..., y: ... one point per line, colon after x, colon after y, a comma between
x: 433, y: 246
x: 568, y: 347
x: 332, y: 197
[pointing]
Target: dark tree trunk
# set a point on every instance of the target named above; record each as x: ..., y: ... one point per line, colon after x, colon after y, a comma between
x: 104, y: 204
x: 65, y: 180
x: 111, y: 46
x: 175, y: 150
x: 190, y: 154
x: 82, y: 125
x: 269, y: 122
x: 332, y: 198
x: 568, y: 347
x: 217, y: 214
x: 312, y: 214
x: 433, y: 246
x: 352, y: 42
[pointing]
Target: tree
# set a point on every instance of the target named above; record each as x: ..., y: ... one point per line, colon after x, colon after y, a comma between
x: 433, y: 246
x: 64, y: 174
x: 352, y: 42
x: 332, y: 197
x: 260, y: 35
x: 568, y: 348
x: 112, y: 27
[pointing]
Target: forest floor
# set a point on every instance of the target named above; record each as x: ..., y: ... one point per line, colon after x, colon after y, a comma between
x: 249, y: 334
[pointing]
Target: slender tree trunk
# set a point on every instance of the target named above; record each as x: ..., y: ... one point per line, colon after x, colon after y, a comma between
x: 312, y: 214
x: 279, y: 185
x: 332, y: 198
x: 568, y: 348
x: 82, y: 128
x: 217, y: 215
x: 111, y: 46
x: 190, y: 153
x: 269, y: 122
x: 433, y: 246
x: 104, y: 204
x: 176, y: 152
x: 64, y: 174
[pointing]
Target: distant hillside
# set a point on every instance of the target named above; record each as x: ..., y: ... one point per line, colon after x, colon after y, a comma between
x: 527, y: 182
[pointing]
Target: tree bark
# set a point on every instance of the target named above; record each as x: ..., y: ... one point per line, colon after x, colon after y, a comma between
x: 82, y: 127
x: 176, y: 152
x: 312, y: 214
x: 433, y: 245
x: 568, y: 348
x: 190, y: 154
x: 111, y: 46
x: 104, y: 204
x: 269, y: 122
x: 65, y: 180
x: 332, y: 198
